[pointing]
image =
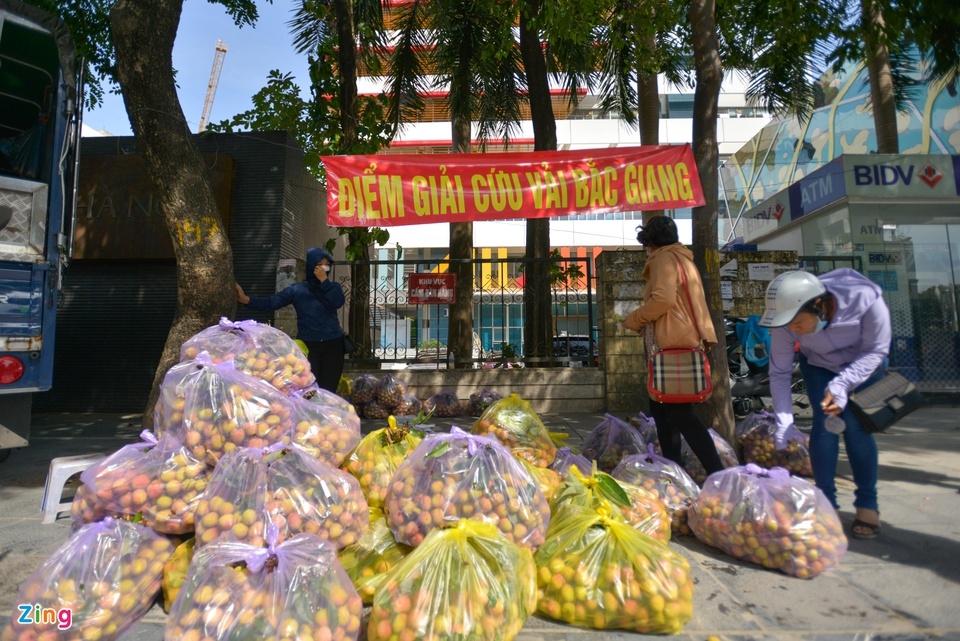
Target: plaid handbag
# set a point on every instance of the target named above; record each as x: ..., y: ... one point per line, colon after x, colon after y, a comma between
x: 680, y: 374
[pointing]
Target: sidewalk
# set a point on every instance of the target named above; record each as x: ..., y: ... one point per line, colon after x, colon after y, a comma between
x: 903, y: 585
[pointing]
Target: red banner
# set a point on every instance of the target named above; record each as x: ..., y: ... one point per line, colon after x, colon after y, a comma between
x: 390, y: 190
x: 431, y: 289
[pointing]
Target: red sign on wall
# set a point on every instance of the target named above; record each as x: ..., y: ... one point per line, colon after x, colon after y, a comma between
x: 431, y: 289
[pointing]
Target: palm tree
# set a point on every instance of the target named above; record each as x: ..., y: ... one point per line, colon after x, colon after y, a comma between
x: 469, y: 48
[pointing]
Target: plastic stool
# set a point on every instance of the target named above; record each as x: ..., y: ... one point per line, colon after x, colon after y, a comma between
x: 61, y: 469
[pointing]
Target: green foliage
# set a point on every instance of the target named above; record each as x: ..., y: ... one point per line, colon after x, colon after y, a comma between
x: 432, y: 343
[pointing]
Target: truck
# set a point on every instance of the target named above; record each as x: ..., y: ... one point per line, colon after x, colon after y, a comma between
x: 41, y: 93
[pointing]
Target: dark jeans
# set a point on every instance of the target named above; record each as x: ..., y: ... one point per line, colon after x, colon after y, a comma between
x: 674, y: 419
x: 326, y: 362
x: 825, y: 446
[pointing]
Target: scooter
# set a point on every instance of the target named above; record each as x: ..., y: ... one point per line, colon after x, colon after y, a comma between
x: 750, y: 383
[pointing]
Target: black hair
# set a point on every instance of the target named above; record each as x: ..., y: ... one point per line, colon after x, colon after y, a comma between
x: 659, y: 231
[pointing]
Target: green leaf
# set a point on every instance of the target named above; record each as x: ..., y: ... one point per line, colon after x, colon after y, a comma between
x: 610, y: 486
x: 439, y: 450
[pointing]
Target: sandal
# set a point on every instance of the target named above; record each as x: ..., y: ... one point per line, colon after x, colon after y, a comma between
x: 867, y: 530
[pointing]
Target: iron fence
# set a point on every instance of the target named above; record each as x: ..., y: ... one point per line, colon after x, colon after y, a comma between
x: 402, y: 331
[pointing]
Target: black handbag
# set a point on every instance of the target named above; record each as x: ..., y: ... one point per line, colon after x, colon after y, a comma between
x: 349, y: 347
x: 885, y: 402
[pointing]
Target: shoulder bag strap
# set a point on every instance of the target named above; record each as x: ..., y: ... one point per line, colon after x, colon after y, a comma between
x: 686, y: 290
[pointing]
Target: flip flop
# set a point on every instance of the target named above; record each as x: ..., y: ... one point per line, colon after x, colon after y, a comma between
x: 872, y: 530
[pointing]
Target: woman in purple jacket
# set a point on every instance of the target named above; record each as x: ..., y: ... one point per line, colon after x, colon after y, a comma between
x: 843, y: 326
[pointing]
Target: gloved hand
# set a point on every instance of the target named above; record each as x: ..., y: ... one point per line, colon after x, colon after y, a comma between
x: 784, y: 435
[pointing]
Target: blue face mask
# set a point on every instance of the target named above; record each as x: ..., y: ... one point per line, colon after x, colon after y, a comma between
x: 820, y: 325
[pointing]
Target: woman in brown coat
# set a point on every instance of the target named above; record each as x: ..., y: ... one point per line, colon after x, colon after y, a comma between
x: 665, y: 320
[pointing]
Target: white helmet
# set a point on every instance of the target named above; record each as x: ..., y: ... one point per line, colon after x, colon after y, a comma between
x: 786, y: 296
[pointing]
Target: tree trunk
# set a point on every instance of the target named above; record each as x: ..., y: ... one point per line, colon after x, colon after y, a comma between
x: 648, y: 107
x: 359, y: 319
x: 347, y: 60
x: 718, y: 411
x: 881, y: 79
x: 460, y: 337
x: 143, y: 32
x: 537, y: 308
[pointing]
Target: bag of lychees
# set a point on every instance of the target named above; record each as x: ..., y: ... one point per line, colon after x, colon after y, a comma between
x: 368, y: 560
x: 256, y: 349
x: 513, y: 422
x: 158, y: 479
x: 295, y: 589
x: 282, y: 485
x: 664, y: 479
x: 214, y: 409
x: 465, y: 581
x: 769, y: 518
x: 98, y: 584
x: 461, y: 475
x: 632, y: 581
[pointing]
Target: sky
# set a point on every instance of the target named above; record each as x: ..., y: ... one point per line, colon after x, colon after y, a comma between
x: 251, y: 53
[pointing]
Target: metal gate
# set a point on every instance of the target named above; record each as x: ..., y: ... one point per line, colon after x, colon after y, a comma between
x: 403, y: 331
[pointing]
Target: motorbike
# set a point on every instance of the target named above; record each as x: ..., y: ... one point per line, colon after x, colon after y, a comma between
x: 750, y: 382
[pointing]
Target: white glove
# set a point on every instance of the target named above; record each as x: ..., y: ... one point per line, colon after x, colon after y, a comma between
x: 783, y: 436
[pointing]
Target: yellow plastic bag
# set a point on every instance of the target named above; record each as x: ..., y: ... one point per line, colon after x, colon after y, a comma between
x: 378, y: 456
x: 513, y: 422
x: 639, y: 507
x: 546, y: 479
x: 175, y: 571
x: 464, y: 582
x: 596, y: 571
x: 368, y: 560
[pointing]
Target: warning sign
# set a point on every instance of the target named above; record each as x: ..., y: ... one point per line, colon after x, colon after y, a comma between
x: 431, y: 289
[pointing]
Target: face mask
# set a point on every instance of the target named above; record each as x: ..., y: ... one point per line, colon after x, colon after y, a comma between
x: 820, y: 325
x: 325, y: 268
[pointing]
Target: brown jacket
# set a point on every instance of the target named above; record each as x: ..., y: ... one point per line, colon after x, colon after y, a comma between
x: 665, y: 302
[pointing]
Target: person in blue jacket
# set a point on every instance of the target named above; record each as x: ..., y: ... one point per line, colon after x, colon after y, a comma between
x: 316, y: 301
x: 843, y: 326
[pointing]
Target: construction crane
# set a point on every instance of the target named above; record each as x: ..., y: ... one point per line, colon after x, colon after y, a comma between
x: 218, y: 57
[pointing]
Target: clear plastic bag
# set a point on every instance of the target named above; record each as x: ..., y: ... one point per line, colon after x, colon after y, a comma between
x: 374, y: 410
x: 325, y: 398
x: 756, y: 439
x: 220, y: 409
x: 610, y: 441
x: 481, y: 400
x: 378, y: 455
x: 513, y: 422
x: 693, y: 466
x: 462, y: 582
x: 409, y: 406
x: 296, y: 589
x: 637, y: 506
x: 100, y: 582
x: 460, y: 475
x: 368, y: 560
x: 364, y: 389
x: 769, y: 518
x: 390, y: 391
x: 443, y: 405
x: 327, y: 432
x: 647, y: 428
x: 566, y: 457
x: 596, y: 571
x: 253, y: 488
x: 255, y: 349
x: 664, y: 479
x: 158, y: 479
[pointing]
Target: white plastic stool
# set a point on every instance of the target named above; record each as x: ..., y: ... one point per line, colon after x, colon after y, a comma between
x: 61, y: 469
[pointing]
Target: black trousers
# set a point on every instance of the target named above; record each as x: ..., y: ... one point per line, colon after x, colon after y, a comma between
x: 674, y: 419
x: 326, y: 362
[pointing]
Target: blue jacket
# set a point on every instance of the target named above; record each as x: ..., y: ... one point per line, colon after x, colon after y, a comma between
x: 316, y: 303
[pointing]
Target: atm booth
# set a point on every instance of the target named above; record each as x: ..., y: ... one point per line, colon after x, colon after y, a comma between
x: 896, y: 219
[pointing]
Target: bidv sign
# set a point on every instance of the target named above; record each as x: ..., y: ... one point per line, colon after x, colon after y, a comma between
x: 892, y: 175
x: 764, y: 221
